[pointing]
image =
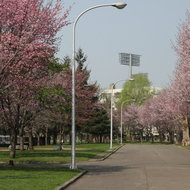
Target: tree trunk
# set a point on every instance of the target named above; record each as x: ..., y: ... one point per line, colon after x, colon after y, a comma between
x: 186, y: 140
x: 60, y: 141
x: 30, y: 138
x: 54, y: 138
x: 160, y: 137
x: 13, y: 140
x: 152, y: 137
x: 87, y: 137
x: 100, y: 138
x: 147, y: 138
x: 21, y: 138
x: 82, y: 138
x: 179, y: 137
x: 46, y: 136
x: 141, y: 135
x: 132, y: 138
x: 38, y: 139
x: 171, y: 136
x: 70, y: 138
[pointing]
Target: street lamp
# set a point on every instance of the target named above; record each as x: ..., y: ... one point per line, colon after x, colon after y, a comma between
x: 121, y: 116
x: 117, y: 5
x: 111, y: 124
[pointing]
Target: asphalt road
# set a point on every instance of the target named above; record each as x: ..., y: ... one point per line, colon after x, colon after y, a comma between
x: 138, y: 167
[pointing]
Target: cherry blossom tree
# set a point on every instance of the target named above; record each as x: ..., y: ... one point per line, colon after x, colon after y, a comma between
x: 129, y: 119
x: 28, y: 38
x: 169, y: 111
x: 161, y: 112
x: 180, y: 85
x: 145, y: 117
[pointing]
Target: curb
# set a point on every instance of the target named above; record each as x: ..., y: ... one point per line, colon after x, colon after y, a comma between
x: 66, y: 184
x: 110, y: 153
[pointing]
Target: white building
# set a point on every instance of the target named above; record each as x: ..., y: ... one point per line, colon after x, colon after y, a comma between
x: 116, y: 92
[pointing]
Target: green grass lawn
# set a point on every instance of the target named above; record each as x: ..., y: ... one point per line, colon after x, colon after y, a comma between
x: 85, y: 152
x: 43, y: 178
x: 34, y: 178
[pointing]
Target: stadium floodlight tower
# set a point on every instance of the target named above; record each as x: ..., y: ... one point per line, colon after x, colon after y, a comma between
x: 130, y: 60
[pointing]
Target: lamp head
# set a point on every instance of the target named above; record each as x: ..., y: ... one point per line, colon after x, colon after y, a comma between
x: 119, y: 5
x: 131, y: 79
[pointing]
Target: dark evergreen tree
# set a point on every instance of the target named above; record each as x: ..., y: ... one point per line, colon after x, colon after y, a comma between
x: 99, y: 126
x: 80, y: 59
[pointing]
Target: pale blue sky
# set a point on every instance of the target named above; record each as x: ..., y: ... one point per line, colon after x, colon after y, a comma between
x: 145, y: 27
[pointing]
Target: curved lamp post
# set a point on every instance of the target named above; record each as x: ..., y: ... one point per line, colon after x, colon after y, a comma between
x: 117, y: 5
x: 121, y: 117
x: 111, y: 124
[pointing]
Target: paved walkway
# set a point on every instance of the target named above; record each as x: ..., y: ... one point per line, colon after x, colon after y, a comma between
x: 138, y: 167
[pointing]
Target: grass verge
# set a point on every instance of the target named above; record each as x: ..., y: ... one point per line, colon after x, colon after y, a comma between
x: 148, y: 143
x: 84, y: 152
x: 32, y: 178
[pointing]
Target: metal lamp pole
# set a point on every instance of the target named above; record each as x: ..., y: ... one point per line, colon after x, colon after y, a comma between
x: 121, y: 117
x: 117, y: 5
x: 111, y: 124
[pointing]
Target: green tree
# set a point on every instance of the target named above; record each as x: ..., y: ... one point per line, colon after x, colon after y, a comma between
x: 57, y: 65
x: 80, y: 59
x: 99, y: 126
x: 140, y: 89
